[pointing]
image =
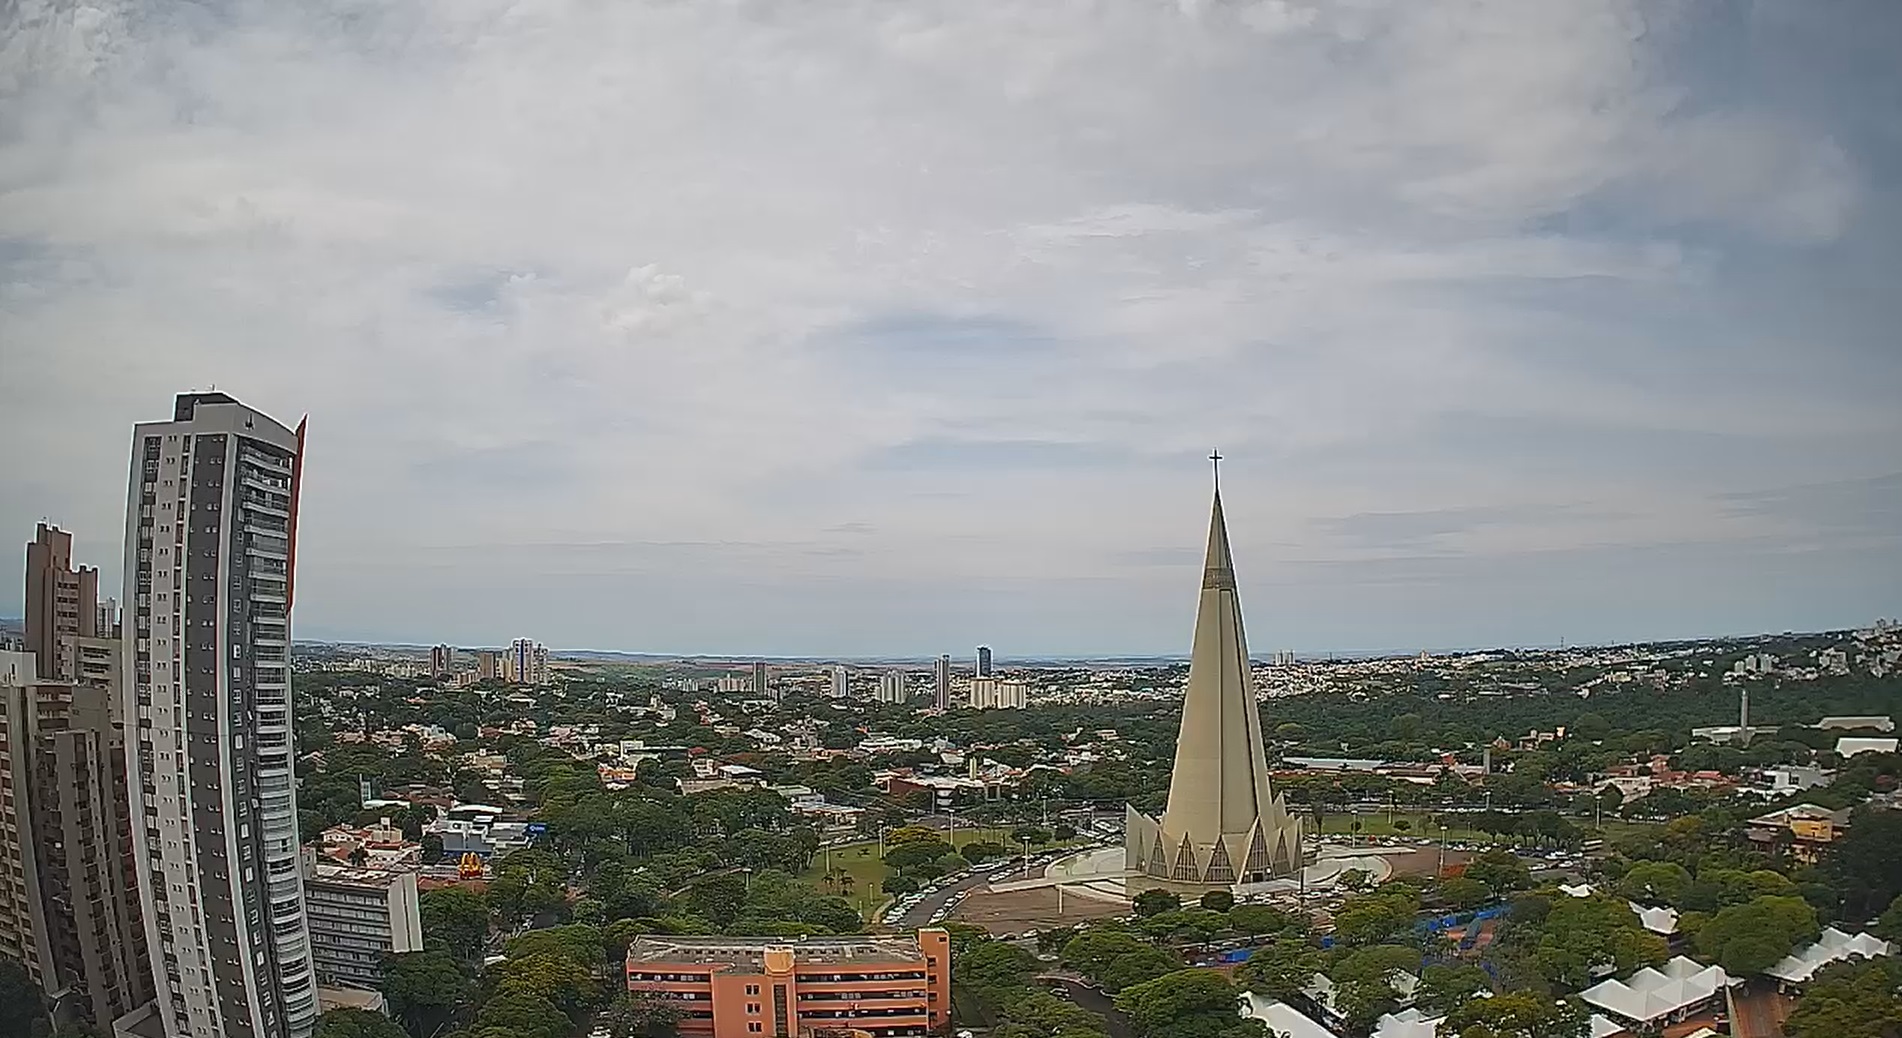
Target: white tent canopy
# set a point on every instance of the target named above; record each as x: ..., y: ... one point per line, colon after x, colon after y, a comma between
x: 1833, y: 946
x: 1652, y: 994
x: 1282, y: 1018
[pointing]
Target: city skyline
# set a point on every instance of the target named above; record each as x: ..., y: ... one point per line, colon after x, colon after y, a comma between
x: 1575, y: 329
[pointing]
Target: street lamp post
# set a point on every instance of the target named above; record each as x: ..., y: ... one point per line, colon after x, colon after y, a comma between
x: 1442, y: 871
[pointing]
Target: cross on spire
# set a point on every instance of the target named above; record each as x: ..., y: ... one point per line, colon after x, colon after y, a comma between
x: 1215, y: 459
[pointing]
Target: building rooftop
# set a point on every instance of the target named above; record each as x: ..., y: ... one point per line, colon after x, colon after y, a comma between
x: 360, y: 876
x: 1802, y: 813
x: 750, y: 952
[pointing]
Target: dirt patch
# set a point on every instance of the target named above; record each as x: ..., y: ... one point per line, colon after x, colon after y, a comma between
x: 1020, y: 910
x: 1426, y: 861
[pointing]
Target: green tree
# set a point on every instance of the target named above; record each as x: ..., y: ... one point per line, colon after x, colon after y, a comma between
x: 1091, y: 952
x: 1655, y: 882
x: 454, y: 920
x: 22, y: 1008
x: 1256, y: 920
x: 1193, y: 1003
x: 1364, y: 982
x: 1379, y: 917
x: 1461, y: 892
x: 1443, y: 987
x: 977, y: 852
x: 1857, y: 999
x: 584, y: 944
x: 1750, y: 938
x: 356, y: 1023
x: 1281, y: 970
x: 1579, y: 934
x: 640, y: 1016
x: 1155, y: 901
x: 1517, y: 1014
x: 423, y: 988
x: 1501, y: 870
x: 995, y: 966
x: 570, y: 985
x: 719, y: 899
x: 1889, y: 924
x: 1866, y: 863
x: 521, y: 1014
x: 1218, y: 901
x: 1137, y: 966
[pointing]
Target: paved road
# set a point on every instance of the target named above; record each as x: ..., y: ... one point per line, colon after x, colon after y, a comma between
x: 1757, y: 1012
x: 1094, y: 1000
x: 920, y: 914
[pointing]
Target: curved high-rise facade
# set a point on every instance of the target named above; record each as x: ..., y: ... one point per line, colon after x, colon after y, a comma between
x: 210, y: 529
x: 1224, y: 825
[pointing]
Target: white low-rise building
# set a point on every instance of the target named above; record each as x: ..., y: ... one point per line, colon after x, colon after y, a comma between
x: 1847, y: 747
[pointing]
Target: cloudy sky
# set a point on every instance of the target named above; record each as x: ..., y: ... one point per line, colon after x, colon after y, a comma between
x: 868, y: 326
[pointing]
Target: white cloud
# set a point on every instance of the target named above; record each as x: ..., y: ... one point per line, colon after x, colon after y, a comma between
x: 661, y: 273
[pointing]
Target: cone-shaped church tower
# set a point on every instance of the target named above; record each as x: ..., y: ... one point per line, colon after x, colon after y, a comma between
x: 1224, y: 825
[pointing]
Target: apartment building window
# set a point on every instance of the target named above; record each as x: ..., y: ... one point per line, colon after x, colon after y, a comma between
x: 753, y: 1027
x: 752, y: 989
x: 752, y: 1009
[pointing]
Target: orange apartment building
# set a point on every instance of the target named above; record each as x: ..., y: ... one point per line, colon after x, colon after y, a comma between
x: 887, y: 986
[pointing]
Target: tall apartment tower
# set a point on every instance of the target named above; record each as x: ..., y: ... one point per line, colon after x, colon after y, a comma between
x: 442, y: 660
x: 983, y: 661
x: 941, y: 684
x: 841, y: 681
x: 759, y: 679
x: 891, y: 687
x: 525, y: 663
x: 211, y: 525
x: 68, y: 911
x: 62, y: 603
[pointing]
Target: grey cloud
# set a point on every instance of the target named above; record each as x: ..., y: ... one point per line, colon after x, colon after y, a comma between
x: 1420, y: 529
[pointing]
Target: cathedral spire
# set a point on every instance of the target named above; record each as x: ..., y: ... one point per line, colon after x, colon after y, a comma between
x: 1223, y: 823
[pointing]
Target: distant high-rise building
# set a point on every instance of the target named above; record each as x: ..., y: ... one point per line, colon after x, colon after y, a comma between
x: 62, y: 603
x: 941, y: 684
x: 997, y: 694
x: 210, y: 542
x: 442, y: 660
x: 841, y: 681
x: 69, y: 900
x: 488, y: 665
x: 106, y: 618
x: 760, y: 687
x: 892, y: 687
x: 983, y: 661
x: 525, y: 663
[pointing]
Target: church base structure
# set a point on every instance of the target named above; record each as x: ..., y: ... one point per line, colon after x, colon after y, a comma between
x: 1270, y: 849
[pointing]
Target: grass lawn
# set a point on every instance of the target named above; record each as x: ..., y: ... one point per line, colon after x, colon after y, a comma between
x: 1423, y: 824
x: 1417, y: 824
x: 860, y: 861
